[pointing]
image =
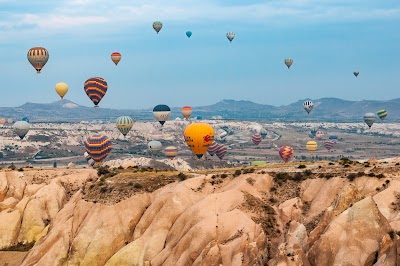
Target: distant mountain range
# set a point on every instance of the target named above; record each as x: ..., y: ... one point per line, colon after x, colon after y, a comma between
x: 325, y: 109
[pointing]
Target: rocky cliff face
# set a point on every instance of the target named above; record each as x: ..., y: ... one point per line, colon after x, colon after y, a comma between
x: 276, y: 215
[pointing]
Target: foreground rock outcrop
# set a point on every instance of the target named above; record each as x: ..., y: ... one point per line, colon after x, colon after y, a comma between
x: 254, y: 216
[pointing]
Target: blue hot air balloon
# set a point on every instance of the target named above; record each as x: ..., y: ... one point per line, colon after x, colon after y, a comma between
x: 188, y: 34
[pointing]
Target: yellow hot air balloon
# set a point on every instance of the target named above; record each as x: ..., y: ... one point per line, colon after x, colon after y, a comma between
x: 61, y: 89
x: 199, y: 136
x: 311, y: 146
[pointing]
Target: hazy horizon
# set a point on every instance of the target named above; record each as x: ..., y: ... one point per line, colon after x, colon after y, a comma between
x: 327, y: 42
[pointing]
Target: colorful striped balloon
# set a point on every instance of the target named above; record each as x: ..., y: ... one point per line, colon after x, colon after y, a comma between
x: 320, y: 134
x: 186, y: 111
x: 95, y: 89
x: 369, y: 119
x: 171, y: 152
x: 286, y: 152
x: 124, y: 124
x: 38, y: 57
x: 382, y: 114
x: 256, y: 138
x: 221, y: 151
x: 311, y: 146
x: 212, y: 148
x: 98, y: 147
x: 329, y: 144
x: 116, y: 57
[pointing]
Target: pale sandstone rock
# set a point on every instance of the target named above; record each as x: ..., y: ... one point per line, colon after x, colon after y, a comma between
x: 290, y: 210
x: 9, y: 227
x: 352, y: 238
x: 296, y: 237
x: 8, y: 203
x: 384, y: 201
x: 16, y: 185
x: 3, y: 186
x: 31, y: 189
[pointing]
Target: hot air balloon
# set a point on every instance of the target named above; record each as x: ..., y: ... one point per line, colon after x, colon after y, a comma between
x: 188, y: 34
x: 161, y: 112
x: 124, y: 124
x: 116, y: 57
x: 199, y: 136
x: 288, y: 62
x: 26, y: 119
x: 311, y: 146
x: 89, y: 159
x: 230, y: 36
x: 157, y: 26
x: 256, y: 138
x: 213, y: 148
x: 222, y: 134
x: 329, y: 144
x: 98, y: 147
x: 286, y: 152
x: 171, y: 152
x: 221, y: 151
x: 308, y: 106
x: 320, y: 134
x: 38, y: 57
x: 382, y: 114
x: 186, y: 111
x: 2, y: 121
x: 21, y: 128
x: 157, y: 135
x: 263, y: 134
x: 61, y: 89
x: 95, y: 89
x: 356, y: 73
x: 369, y: 119
x: 154, y: 145
x: 10, y: 120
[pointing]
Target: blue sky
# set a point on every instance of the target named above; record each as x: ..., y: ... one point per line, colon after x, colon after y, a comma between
x: 326, y: 39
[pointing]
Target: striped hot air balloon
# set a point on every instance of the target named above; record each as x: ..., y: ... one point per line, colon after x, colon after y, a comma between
x: 311, y: 146
x: 221, y: 151
x: 157, y: 135
x: 329, y: 144
x: 171, y: 152
x: 116, y: 57
x: 256, y: 138
x: 320, y: 134
x: 124, y: 124
x: 161, y: 112
x: 213, y: 148
x: 308, y: 106
x: 369, y: 119
x: 98, y: 147
x: 286, y: 152
x: 382, y: 114
x: 186, y: 111
x: 38, y: 57
x: 95, y: 89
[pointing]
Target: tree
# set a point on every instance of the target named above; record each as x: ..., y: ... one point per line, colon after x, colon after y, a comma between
x: 55, y: 164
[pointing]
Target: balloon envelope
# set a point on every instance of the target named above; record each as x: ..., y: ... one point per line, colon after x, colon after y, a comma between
x: 199, y: 136
x: 188, y: 34
x: 61, y: 89
x: 186, y: 111
x: 26, y: 119
x: 320, y: 134
x: 256, y: 138
x: 157, y: 26
x: 161, y: 112
x: 116, y: 57
x: 95, y: 89
x: 286, y: 152
x: 221, y: 151
x: 98, y: 147
x: 308, y: 106
x: 311, y: 146
x: 356, y: 73
x: 171, y: 151
x: 382, y: 114
x: 213, y: 148
x: 288, y: 62
x: 369, y: 119
x: 154, y: 145
x: 329, y: 144
x: 124, y: 124
x: 230, y: 36
x: 21, y: 128
x: 38, y: 57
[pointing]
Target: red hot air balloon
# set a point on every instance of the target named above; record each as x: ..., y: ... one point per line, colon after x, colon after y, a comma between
x: 95, y: 89
x: 98, y: 147
x: 286, y: 152
x: 116, y: 57
x: 329, y: 144
x: 256, y: 138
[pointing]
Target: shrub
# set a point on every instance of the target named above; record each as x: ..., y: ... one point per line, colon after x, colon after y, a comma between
x: 307, y: 172
x: 182, y: 176
x: 55, y: 164
x: 237, y: 172
x: 103, y: 189
x: 301, y: 166
x: 224, y: 176
x: 331, y: 163
x: 20, y: 169
x: 351, y: 176
x: 137, y: 185
x: 12, y: 166
x: 102, y: 170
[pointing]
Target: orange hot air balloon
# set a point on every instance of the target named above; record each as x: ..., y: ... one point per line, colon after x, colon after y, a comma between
x: 199, y: 136
x: 116, y: 57
x: 2, y: 121
x: 286, y: 152
x: 186, y: 111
